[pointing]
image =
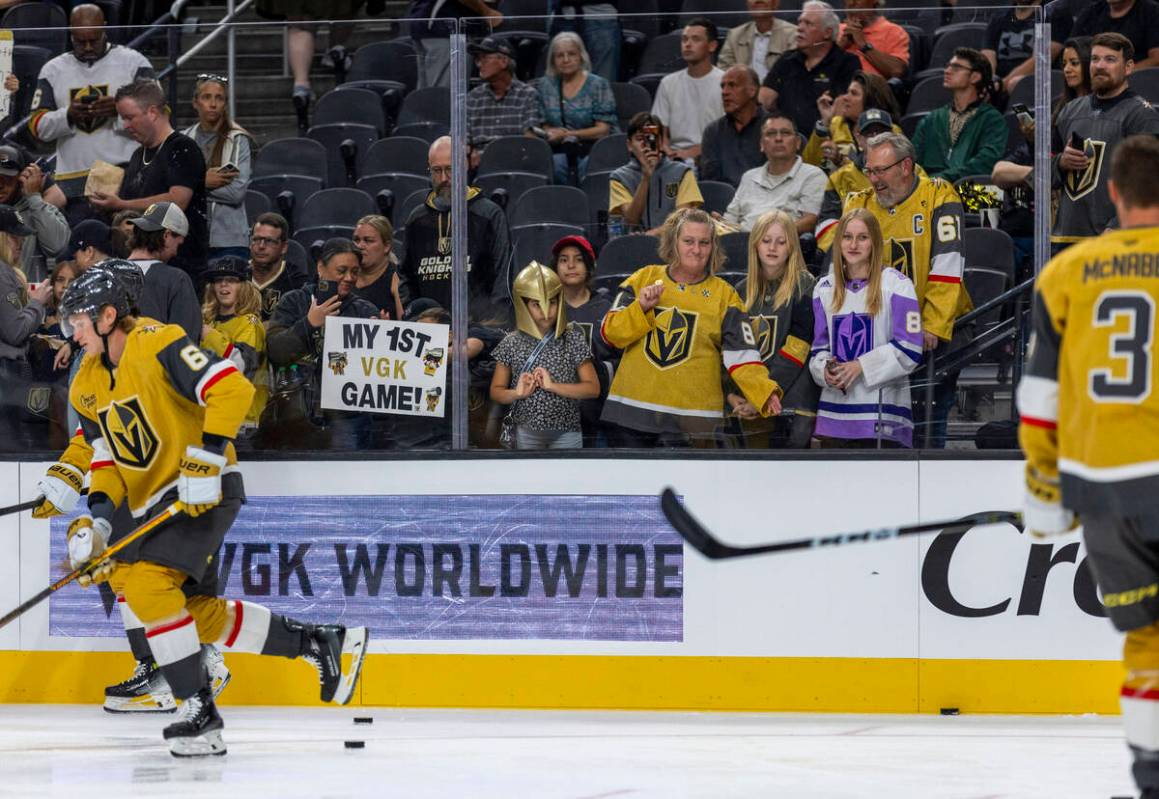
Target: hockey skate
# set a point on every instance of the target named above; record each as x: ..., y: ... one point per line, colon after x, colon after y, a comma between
x: 215, y: 667
x: 146, y: 691
x: 328, y: 645
x: 197, y: 730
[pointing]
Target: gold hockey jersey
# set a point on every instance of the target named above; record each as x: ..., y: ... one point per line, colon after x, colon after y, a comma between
x: 923, y: 241
x: 242, y: 339
x: 670, y: 376
x: 1089, y: 408
x: 168, y: 393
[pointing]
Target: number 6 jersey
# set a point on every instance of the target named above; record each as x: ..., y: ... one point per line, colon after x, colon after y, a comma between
x: 1090, y: 413
x: 167, y: 394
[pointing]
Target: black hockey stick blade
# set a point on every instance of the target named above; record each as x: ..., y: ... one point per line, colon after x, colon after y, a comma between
x: 23, y: 506
x: 106, y: 555
x: 706, y: 544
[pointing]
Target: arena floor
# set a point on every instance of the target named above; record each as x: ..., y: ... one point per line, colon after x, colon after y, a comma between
x: 74, y: 751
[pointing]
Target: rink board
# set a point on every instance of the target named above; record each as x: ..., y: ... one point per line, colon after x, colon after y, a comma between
x: 986, y: 621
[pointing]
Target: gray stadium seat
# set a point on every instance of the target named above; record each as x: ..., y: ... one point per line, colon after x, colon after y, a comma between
x: 514, y: 183
x: 397, y: 154
x: 332, y: 137
x: 393, y: 60
x: 623, y: 255
x: 631, y: 99
x: 542, y: 204
x: 360, y: 106
x: 517, y: 154
x: 339, y: 207
x: 294, y: 156
x: 534, y: 242
x: 256, y: 204
x: 717, y: 195
x: 609, y: 153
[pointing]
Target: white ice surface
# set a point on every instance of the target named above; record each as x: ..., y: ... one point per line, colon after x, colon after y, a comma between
x: 82, y: 752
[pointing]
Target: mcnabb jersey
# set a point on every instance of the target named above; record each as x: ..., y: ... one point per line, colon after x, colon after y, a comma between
x: 923, y: 241
x: 1088, y: 400
x: 670, y: 376
x: 167, y: 394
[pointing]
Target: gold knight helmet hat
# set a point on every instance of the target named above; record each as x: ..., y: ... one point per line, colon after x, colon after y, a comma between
x: 539, y: 283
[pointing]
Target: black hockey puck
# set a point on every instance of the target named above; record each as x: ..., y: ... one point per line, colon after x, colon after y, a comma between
x: 363, y: 720
x: 949, y: 711
x: 355, y: 744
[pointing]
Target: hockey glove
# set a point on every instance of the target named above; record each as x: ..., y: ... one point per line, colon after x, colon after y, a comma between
x: 199, y: 479
x: 87, y: 538
x: 1043, y: 513
x: 60, y: 487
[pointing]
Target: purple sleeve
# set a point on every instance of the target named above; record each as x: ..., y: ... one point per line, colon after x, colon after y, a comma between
x: 820, y: 327
x: 906, y: 334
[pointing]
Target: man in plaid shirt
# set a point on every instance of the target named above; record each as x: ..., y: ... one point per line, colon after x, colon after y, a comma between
x: 502, y: 106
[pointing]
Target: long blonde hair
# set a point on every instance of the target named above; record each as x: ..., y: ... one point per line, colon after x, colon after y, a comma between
x: 249, y: 301
x: 876, y: 252
x: 670, y: 232
x: 756, y: 284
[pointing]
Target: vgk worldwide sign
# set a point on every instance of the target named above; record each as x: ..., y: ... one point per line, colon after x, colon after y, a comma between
x: 385, y: 367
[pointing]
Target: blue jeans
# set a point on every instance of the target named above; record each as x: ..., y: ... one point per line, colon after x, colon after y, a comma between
x: 601, y: 37
x: 561, y: 176
x: 547, y: 439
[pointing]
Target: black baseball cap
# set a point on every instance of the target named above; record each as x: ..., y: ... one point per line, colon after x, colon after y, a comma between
x: 872, y: 117
x: 11, y: 161
x: 491, y: 44
x: 10, y: 222
x: 89, y: 233
x: 228, y: 266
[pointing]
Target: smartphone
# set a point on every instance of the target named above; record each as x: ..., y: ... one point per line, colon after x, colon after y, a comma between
x: 1076, y: 141
x: 1023, y: 113
x: 229, y: 168
x: 325, y: 290
x: 651, y: 137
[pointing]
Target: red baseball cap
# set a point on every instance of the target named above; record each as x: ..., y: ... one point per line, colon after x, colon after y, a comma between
x: 575, y: 241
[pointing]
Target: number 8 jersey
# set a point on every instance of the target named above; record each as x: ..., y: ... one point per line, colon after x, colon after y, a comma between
x: 1090, y: 412
x: 166, y: 394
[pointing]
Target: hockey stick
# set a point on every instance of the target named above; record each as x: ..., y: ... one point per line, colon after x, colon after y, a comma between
x: 23, y: 506
x: 106, y: 555
x: 703, y: 541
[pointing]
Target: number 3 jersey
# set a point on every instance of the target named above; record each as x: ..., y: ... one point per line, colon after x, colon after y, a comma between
x: 167, y: 393
x: 1088, y: 399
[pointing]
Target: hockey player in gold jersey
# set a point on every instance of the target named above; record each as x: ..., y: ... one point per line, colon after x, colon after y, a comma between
x: 1090, y: 426
x: 160, y: 415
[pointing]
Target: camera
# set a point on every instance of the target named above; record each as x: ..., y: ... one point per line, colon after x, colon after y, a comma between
x: 651, y: 137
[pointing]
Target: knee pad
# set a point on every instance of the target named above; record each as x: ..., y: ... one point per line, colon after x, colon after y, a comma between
x: 153, y: 592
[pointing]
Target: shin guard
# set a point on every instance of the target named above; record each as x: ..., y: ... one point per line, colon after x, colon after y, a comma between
x: 178, y: 652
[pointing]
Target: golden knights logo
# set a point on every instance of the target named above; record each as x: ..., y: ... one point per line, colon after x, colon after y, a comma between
x: 95, y: 92
x: 765, y: 332
x: 669, y: 343
x: 129, y: 434
x: 270, y: 300
x: 337, y: 362
x: 1080, y: 184
x: 900, y: 255
x: 587, y: 330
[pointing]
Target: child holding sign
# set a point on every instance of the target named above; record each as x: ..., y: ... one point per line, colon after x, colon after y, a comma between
x: 544, y: 368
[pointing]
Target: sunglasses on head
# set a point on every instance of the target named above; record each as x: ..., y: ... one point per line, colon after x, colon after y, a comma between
x: 206, y: 76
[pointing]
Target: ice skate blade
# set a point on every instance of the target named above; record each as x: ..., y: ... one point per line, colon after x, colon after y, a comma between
x: 219, y: 684
x: 354, y: 645
x: 204, y: 745
x: 152, y: 703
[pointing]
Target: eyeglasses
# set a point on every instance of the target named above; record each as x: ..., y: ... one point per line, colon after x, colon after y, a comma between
x: 784, y: 133
x: 881, y: 170
x: 957, y: 67
x: 204, y: 76
x: 264, y: 241
x: 437, y: 171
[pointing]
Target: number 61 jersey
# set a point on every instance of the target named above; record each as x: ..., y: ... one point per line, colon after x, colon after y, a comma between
x: 1088, y: 401
x: 167, y: 394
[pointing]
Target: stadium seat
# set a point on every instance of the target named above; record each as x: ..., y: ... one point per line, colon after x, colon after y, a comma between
x: 717, y: 195
x: 736, y: 248
x: 1144, y: 82
x: 27, y: 61
x: 1024, y: 89
x: 360, y: 106
x: 30, y: 24
x: 309, y: 236
x: 392, y: 60
x: 534, y: 242
x: 334, y: 207
x: 919, y: 49
x: 517, y: 154
x: 298, y: 186
x: 403, y: 210
x: 427, y: 131
x: 909, y: 123
x: 984, y: 285
x: 344, y: 164
x: 609, y: 153
x: 400, y: 185
x: 662, y: 55
x: 631, y: 99
x: 513, y: 183
x: 649, y: 82
x: 595, y: 186
x: 949, y: 38
x: 928, y: 94
x: 404, y: 154
x: 530, y: 48
x: 294, y: 156
x: 623, y: 255
x: 426, y: 105
x: 563, y: 204
x: 297, y: 254
x: 988, y: 248
x: 256, y: 204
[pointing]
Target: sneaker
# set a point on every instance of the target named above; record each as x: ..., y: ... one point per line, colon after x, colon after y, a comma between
x: 215, y: 667
x: 329, y: 646
x: 301, y: 98
x: 197, y: 730
x: 146, y: 691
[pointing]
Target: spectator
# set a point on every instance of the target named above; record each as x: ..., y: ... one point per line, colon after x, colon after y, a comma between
x: 426, y: 271
x: 882, y: 46
x: 966, y: 136
x: 228, y: 151
x: 232, y: 328
x: 596, y: 22
x: 502, y: 105
x: 866, y: 339
x: 778, y: 295
x: 91, y: 243
x: 1010, y: 41
x: 167, y: 167
x: 1137, y: 20
x: 817, y: 66
x: 273, y: 273
x: 294, y: 338
x: 577, y: 107
x: 904, y: 202
x: 732, y: 144
x: 21, y: 315
x: 574, y: 259
x: 850, y: 176
x: 168, y: 294
x: 432, y: 23
x: 121, y: 232
x: 759, y: 42
x: 644, y: 191
x: 1099, y: 122
x: 1076, y: 74
x: 544, y: 368
x: 785, y: 181
x: 378, y: 283
x: 74, y: 106
x: 832, y: 137
x: 20, y: 187
x: 668, y: 388
x: 687, y: 101
x: 1013, y: 174
x: 63, y: 273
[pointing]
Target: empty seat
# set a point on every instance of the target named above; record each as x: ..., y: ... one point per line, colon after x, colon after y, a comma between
x: 300, y: 186
x: 989, y: 248
x: 404, y: 209
x: 949, y: 38
x: 256, y: 204
x: 595, y: 186
x: 623, y: 255
x: 517, y: 154
x: 717, y: 195
x: 662, y: 55
x: 343, y: 164
x: 393, y: 60
x: 27, y: 61
x: 397, y: 154
x: 631, y: 99
x: 530, y: 51
x: 563, y: 204
x: 309, y: 236
x: 984, y: 285
x: 399, y: 184
x: 514, y: 183
x: 294, y: 156
x: 609, y: 153
x: 1024, y: 89
x: 649, y: 82
x: 432, y: 104
x: 427, y: 131
x: 1144, y: 82
x: 296, y: 254
x: 928, y: 94
x: 360, y: 106
x: 736, y: 250
x: 38, y: 24
x: 534, y: 242
x: 336, y: 207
